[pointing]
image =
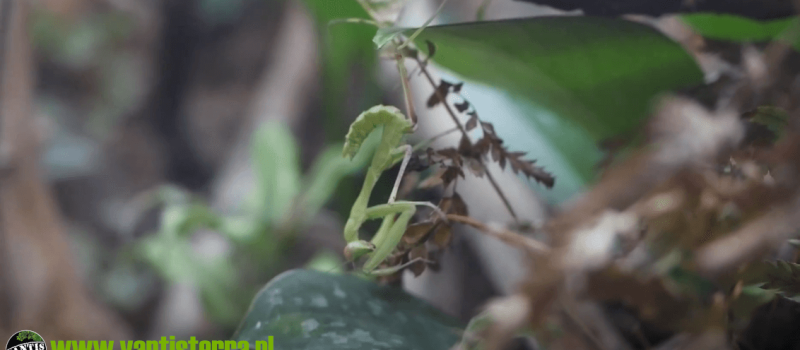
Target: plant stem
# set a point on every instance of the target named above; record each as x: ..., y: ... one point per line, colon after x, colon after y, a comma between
x: 401, y: 67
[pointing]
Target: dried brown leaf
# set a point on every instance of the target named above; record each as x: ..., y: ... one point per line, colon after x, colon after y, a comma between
x: 475, y: 167
x: 459, y: 206
x: 530, y: 170
x: 488, y: 128
x: 498, y: 155
x: 443, y: 236
x: 472, y: 123
x: 416, y: 232
x: 483, y: 146
x: 465, y: 146
x: 439, y: 94
x: 419, y: 267
x: 462, y: 106
x: 450, y: 175
x: 449, y: 153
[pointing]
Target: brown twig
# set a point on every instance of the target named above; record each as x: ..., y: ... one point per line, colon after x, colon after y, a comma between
x: 531, y: 246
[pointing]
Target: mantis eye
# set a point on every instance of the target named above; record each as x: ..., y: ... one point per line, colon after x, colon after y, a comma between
x: 357, y: 249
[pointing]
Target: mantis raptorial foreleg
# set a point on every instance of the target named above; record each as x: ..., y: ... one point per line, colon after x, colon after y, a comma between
x: 389, y: 235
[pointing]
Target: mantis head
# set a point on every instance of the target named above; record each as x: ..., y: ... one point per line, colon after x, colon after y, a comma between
x: 369, y: 120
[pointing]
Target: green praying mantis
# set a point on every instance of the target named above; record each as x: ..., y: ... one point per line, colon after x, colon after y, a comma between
x: 396, y: 214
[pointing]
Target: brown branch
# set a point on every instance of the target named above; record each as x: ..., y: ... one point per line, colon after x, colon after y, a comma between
x: 531, y: 246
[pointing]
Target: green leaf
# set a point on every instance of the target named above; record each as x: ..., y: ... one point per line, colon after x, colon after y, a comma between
x: 577, y: 80
x: 309, y: 310
x: 169, y: 250
x: 597, y: 72
x: 785, y: 277
x: 170, y: 256
x: 738, y: 29
x: 750, y: 299
x: 782, y: 276
x: 277, y: 167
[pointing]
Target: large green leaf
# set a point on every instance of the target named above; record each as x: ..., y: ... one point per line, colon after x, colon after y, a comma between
x: 739, y: 29
x: 766, y: 9
x: 599, y: 73
x: 303, y: 309
x: 574, y: 78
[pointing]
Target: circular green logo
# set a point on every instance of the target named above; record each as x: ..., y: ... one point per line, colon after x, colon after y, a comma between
x: 26, y: 340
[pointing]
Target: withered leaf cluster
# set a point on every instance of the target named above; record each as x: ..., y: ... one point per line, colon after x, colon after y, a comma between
x: 444, y: 89
x: 489, y: 146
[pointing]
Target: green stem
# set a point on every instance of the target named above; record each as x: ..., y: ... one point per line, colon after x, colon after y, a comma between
x: 425, y: 25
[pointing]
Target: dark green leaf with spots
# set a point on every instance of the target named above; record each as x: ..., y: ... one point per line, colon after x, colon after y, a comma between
x: 309, y: 310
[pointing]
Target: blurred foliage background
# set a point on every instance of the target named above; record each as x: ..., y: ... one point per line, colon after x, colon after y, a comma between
x: 190, y: 150
x: 193, y: 149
